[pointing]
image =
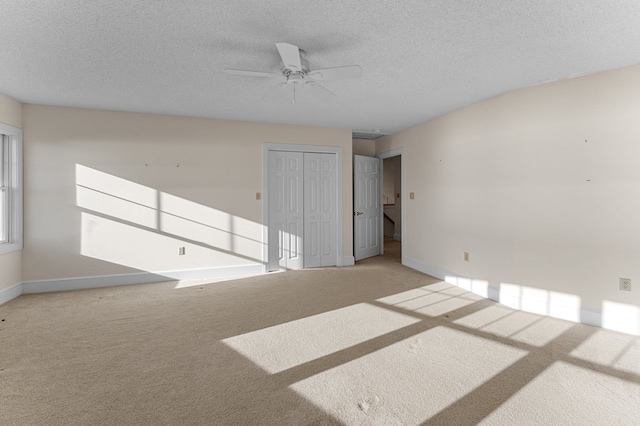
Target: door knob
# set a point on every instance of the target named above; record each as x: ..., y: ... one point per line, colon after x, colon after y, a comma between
x: 359, y: 213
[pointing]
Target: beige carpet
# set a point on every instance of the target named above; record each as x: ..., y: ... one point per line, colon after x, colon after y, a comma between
x: 374, y: 344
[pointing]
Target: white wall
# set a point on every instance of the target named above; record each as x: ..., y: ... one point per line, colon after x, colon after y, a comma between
x: 10, y: 263
x: 541, y: 186
x: 115, y: 193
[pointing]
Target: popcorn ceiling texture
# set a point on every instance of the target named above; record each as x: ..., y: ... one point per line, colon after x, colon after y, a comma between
x: 420, y: 59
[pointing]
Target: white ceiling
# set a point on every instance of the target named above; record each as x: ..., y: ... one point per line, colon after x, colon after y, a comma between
x: 420, y: 58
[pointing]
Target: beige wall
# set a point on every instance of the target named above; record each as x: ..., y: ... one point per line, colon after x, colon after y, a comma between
x: 10, y: 263
x: 364, y: 147
x: 541, y: 186
x: 112, y: 192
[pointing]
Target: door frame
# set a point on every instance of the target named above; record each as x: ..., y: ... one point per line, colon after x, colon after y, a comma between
x: 269, y: 146
x: 403, y: 187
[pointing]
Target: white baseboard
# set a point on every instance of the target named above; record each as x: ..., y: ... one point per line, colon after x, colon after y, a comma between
x: 424, y: 268
x: 591, y: 316
x: 348, y: 261
x: 80, y: 283
x: 585, y: 314
x: 10, y: 293
x: 397, y: 237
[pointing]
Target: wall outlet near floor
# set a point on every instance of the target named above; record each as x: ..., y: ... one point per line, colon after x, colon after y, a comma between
x: 625, y: 284
x: 466, y: 256
x: 181, y: 251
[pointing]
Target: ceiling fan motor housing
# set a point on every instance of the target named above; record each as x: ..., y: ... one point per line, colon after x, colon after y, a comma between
x: 296, y: 77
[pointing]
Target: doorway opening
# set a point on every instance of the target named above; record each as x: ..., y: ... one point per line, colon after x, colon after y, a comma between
x: 393, y: 197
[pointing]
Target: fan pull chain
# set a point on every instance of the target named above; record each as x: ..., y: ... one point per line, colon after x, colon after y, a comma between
x: 294, y: 94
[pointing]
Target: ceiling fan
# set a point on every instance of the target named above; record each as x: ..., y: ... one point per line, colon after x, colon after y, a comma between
x: 296, y: 73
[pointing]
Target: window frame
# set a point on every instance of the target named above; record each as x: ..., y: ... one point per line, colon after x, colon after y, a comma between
x: 11, y: 143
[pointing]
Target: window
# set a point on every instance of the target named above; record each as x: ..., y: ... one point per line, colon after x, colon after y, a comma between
x: 10, y: 189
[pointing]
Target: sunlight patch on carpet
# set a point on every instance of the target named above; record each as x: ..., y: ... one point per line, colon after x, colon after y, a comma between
x: 517, y: 325
x: 432, y: 300
x: 409, y: 381
x: 290, y: 344
x: 618, y: 351
x: 484, y: 317
x: 576, y: 395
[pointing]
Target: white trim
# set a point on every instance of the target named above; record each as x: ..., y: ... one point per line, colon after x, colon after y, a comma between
x: 268, y: 146
x: 493, y: 294
x: 15, y: 184
x: 10, y: 293
x: 591, y: 316
x: 81, y: 283
x: 424, y: 268
x: 348, y: 261
x: 403, y: 187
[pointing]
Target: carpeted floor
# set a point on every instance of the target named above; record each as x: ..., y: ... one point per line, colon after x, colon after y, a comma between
x: 374, y: 344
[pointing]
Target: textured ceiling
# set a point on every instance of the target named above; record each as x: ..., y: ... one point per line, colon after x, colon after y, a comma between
x: 420, y: 58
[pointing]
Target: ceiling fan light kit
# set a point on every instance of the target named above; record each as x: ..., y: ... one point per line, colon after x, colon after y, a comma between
x: 296, y: 72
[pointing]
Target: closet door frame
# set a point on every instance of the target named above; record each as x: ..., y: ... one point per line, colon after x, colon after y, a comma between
x: 265, y: 191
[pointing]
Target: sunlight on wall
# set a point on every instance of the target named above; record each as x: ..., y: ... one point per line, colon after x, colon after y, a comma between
x: 137, y: 248
x: 539, y: 301
x: 142, y: 228
x: 196, y: 222
x: 135, y: 203
x: 621, y: 317
x: 291, y: 344
x: 479, y: 287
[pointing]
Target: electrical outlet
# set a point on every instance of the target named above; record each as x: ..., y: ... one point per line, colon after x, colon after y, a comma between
x: 466, y: 256
x: 625, y: 284
x: 181, y: 251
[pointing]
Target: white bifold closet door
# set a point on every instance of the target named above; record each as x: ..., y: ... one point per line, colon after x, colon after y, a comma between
x: 302, y: 210
x: 285, y: 210
x: 319, y: 210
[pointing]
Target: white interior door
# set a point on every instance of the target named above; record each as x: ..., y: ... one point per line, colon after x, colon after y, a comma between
x: 285, y: 210
x: 367, y: 207
x: 320, y: 210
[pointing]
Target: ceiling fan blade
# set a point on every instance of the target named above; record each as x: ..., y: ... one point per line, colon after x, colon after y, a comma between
x: 253, y: 73
x: 319, y: 91
x: 336, y: 73
x: 274, y: 90
x: 290, y: 55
